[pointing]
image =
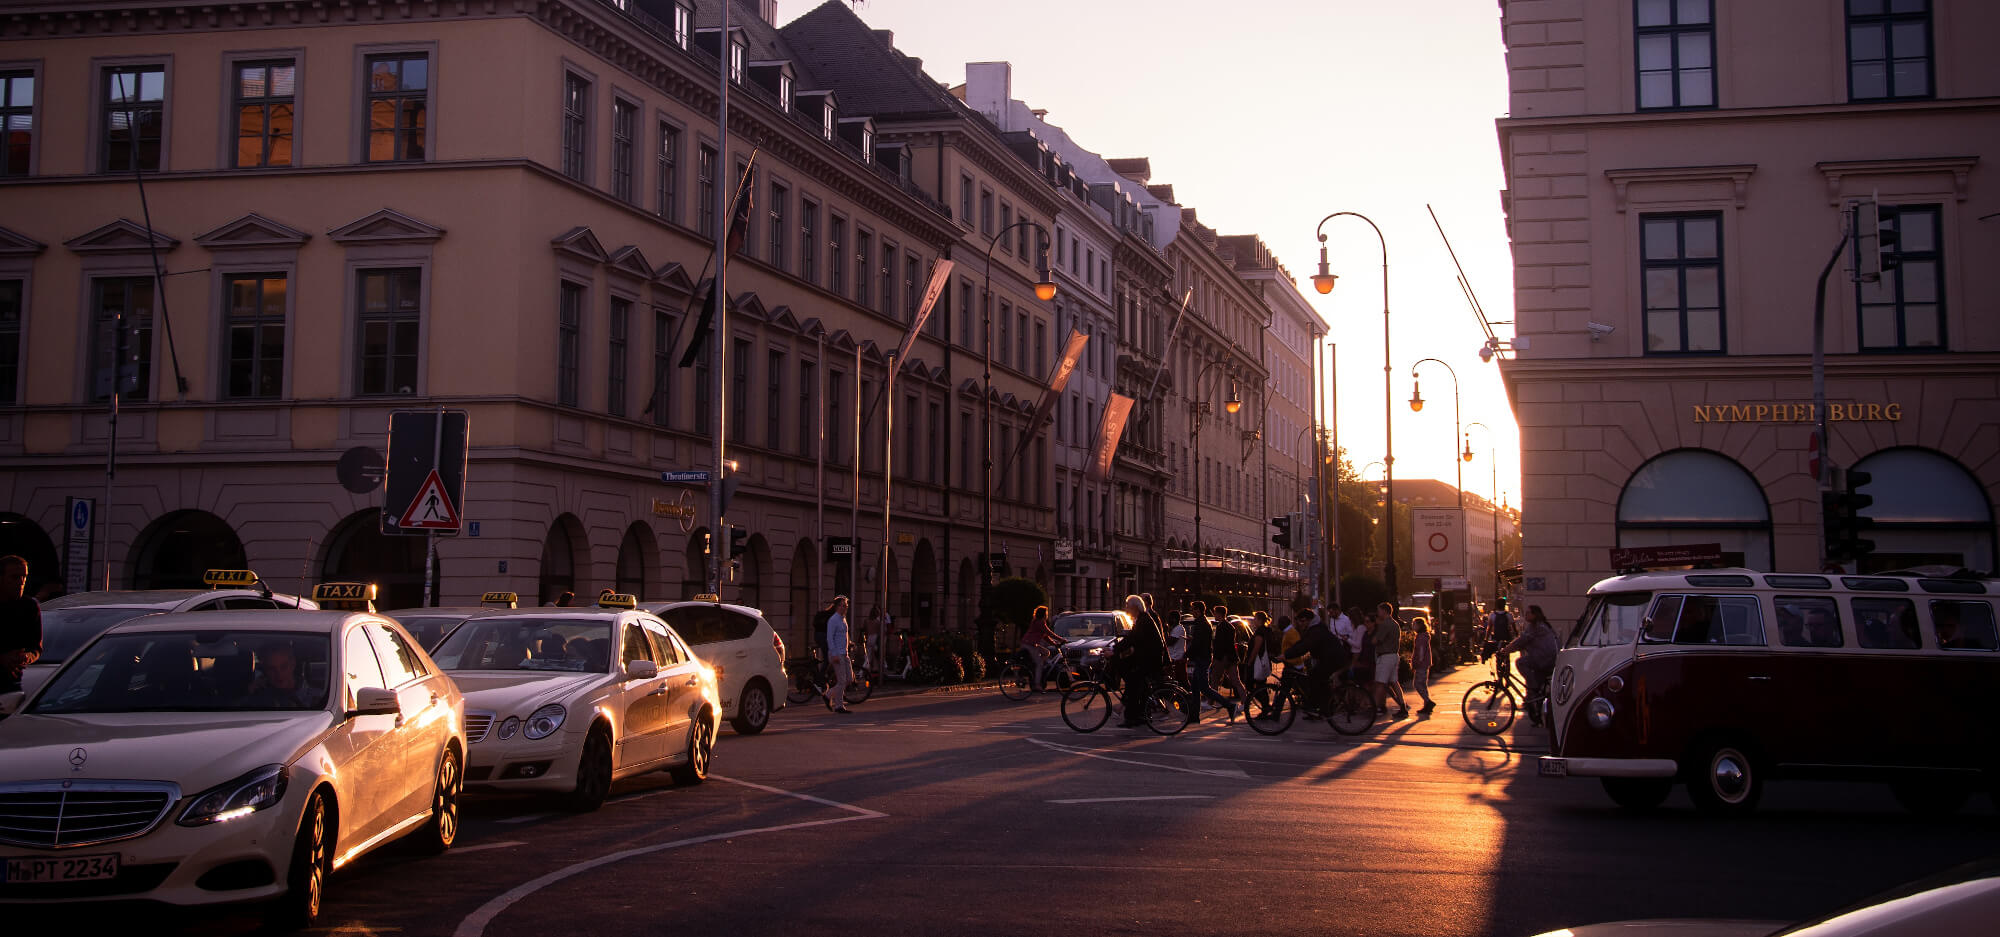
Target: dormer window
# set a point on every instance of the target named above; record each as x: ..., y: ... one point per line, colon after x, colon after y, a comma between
x: 683, y: 24
x: 785, y: 93
x: 867, y: 145
x: 826, y: 120
x: 735, y: 62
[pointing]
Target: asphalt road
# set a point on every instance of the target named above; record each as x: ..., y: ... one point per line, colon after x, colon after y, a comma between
x: 963, y: 814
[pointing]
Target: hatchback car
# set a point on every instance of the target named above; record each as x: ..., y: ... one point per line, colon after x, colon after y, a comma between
x: 215, y: 757
x: 1088, y: 636
x: 746, y: 652
x: 567, y: 700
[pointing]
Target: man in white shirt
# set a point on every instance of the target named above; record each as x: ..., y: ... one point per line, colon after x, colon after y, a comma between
x: 1343, y: 628
x: 836, y: 654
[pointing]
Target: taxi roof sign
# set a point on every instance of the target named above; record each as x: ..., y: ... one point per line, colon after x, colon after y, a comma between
x: 511, y: 600
x: 345, y: 596
x: 708, y: 597
x: 617, y: 600
x: 217, y: 578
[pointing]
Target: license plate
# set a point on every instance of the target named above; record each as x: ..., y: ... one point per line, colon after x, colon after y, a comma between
x: 1554, y: 768
x: 60, y: 869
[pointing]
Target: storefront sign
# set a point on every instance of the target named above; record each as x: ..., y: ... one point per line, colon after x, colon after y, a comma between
x: 1693, y: 554
x: 1797, y: 413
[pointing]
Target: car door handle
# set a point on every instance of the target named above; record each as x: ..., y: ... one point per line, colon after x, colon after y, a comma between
x: 694, y: 680
x: 1760, y: 678
x: 658, y: 691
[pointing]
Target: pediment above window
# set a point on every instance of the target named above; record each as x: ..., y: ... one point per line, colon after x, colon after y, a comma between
x: 782, y: 318
x: 580, y: 242
x: 628, y: 260
x: 1681, y: 183
x: 1958, y: 167
x: 674, y: 277
x: 120, y: 237
x: 387, y: 226
x: 252, y: 231
x: 13, y: 244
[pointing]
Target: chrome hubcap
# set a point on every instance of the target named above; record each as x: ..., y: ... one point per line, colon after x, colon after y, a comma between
x: 1730, y: 775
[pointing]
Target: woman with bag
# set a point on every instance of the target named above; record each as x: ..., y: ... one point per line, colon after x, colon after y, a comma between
x: 1260, y: 647
x: 1420, y: 662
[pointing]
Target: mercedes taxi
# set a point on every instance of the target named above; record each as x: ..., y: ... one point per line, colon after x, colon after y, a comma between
x: 567, y: 700
x: 227, y: 756
x: 70, y: 621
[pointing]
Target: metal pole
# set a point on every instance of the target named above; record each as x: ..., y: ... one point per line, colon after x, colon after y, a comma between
x: 854, y: 499
x: 111, y: 439
x: 1825, y: 479
x: 819, y: 462
x: 1333, y: 448
x: 720, y: 293
x: 888, y: 471
x: 430, y: 536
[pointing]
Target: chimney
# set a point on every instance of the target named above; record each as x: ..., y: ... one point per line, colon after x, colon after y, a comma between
x: 989, y: 89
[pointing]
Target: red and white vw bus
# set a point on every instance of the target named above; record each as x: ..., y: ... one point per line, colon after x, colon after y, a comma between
x: 1725, y: 679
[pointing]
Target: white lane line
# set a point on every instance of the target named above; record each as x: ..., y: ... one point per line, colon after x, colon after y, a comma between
x: 1237, y: 774
x: 1122, y: 800
x: 1219, y: 766
x: 475, y: 923
x: 528, y: 818
x: 509, y: 844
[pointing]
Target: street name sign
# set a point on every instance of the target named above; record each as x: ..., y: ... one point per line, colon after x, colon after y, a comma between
x: 685, y: 478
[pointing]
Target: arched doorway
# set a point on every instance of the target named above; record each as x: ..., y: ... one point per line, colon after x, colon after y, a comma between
x: 24, y: 538
x: 804, y: 577
x: 1691, y: 496
x: 919, y: 611
x: 174, y: 551
x: 559, y: 562
x: 358, y: 551
x: 1928, y: 511
x: 694, y: 571
x: 638, y: 561
x: 751, y: 568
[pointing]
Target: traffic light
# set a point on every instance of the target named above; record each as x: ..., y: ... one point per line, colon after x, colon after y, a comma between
x: 1876, y: 240
x: 1840, y: 514
x: 1283, y: 538
x: 1888, y: 240
x: 738, y: 541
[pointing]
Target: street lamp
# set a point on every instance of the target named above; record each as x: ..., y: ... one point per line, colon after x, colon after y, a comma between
x: 1417, y: 405
x: 1198, y: 405
x: 1494, y: 458
x: 1323, y: 282
x: 1045, y: 290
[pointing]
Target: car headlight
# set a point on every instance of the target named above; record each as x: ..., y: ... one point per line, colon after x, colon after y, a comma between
x: 509, y: 727
x: 545, y: 721
x: 1600, y: 712
x: 239, y: 797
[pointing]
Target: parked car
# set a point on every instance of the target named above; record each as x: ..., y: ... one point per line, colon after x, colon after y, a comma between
x: 430, y: 625
x: 70, y: 621
x: 227, y: 756
x: 746, y: 652
x: 1088, y: 636
x: 567, y: 700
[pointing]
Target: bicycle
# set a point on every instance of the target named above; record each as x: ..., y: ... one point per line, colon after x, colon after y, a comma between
x: 812, y: 676
x: 1272, y: 707
x: 1088, y: 704
x: 1017, y: 678
x: 1492, y: 705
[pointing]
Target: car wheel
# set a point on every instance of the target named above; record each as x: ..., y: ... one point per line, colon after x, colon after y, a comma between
x: 442, y: 829
x: 305, y: 883
x: 1931, y: 798
x: 593, y: 773
x: 753, y: 710
x: 1727, y: 779
x: 1638, y: 793
x: 701, y: 749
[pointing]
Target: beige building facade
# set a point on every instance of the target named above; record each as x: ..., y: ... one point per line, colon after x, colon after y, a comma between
x: 1678, y: 176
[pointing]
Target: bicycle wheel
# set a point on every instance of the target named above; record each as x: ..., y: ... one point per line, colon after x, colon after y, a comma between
x: 1014, y: 682
x: 859, y: 688
x: 1086, y: 707
x: 1351, y: 711
x: 1169, y: 709
x: 1489, y: 708
x: 1270, y: 710
x: 801, y: 687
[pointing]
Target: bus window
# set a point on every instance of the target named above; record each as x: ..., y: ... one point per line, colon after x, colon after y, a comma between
x: 1612, y: 619
x: 1886, y: 624
x: 1707, y: 619
x: 1808, y: 621
x: 1964, y: 626
x: 1742, y: 621
x: 1660, y: 624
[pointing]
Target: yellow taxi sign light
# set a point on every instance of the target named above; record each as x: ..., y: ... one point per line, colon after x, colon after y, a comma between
x: 217, y: 578
x: 708, y: 597
x: 617, y: 600
x: 509, y: 599
x: 345, y: 596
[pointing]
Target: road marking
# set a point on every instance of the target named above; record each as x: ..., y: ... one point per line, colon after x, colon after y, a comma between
x: 1219, y: 770
x: 1233, y: 774
x: 509, y: 844
x: 1121, y: 800
x: 529, y: 818
x: 475, y: 923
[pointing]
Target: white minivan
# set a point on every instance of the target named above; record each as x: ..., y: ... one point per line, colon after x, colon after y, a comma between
x: 746, y: 652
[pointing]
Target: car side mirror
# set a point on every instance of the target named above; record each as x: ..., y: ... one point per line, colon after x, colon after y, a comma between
x: 375, y: 701
x: 641, y: 670
x: 10, y: 703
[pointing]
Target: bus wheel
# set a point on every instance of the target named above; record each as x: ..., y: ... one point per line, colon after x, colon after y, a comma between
x: 1931, y: 798
x: 1638, y: 793
x: 1726, y: 779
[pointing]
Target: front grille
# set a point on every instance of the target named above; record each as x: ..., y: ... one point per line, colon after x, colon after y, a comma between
x: 477, y: 724
x: 60, y: 815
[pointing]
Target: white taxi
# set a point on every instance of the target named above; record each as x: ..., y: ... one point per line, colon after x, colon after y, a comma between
x: 567, y: 700
x: 216, y: 757
x: 746, y: 652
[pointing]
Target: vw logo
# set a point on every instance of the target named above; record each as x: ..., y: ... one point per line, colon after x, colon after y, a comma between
x: 77, y: 757
x: 1564, y: 685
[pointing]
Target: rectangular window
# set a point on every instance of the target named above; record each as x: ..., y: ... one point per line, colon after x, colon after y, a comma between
x: 910, y: 434
x: 1904, y: 310
x: 864, y: 249
x: 1021, y: 237
x: 965, y: 199
x: 965, y: 450
x: 1041, y: 475
x: 837, y: 428
x: 624, y: 127
x: 774, y: 399
x: 667, y: 187
x: 966, y: 328
x: 663, y: 367
x: 1676, y: 59
x: 1021, y: 338
x: 704, y: 190
x: 1682, y: 271
x: 809, y: 241
x: 1006, y: 448
x: 264, y: 112
x: 808, y: 414
x: 888, y: 274
x: 739, y: 390
x: 569, y: 334
x: 134, y: 116
x: 1706, y: 619
x: 1006, y: 317
x: 1888, y: 49
x: 10, y: 342
x: 1807, y: 620
x: 256, y: 324
x: 1059, y: 247
x: 836, y: 254
x: 1963, y: 625
x: 912, y: 290
x: 621, y: 338
x: 398, y: 104
x: 869, y: 451
x: 1090, y: 267
x: 683, y: 24
x: 17, y: 121
x: 781, y: 228
x: 985, y: 212
x: 1006, y: 221
x: 1041, y: 350
x: 576, y: 127
x: 703, y: 393
x: 391, y: 319
x: 934, y: 466
x: 1886, y: 624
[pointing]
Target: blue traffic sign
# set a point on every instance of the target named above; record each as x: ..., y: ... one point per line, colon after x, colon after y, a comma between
x: 684, y: 477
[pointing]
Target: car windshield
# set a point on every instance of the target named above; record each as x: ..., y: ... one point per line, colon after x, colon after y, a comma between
x: 428, y: 629
x: 64, y: 630
x: 708, y: 624
x: 561, y: 644
x: 192, y: 671
x: 1093, y: 625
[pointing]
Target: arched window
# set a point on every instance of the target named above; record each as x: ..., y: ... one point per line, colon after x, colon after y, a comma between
x: 1928, y: 511
x: 1692, y: 496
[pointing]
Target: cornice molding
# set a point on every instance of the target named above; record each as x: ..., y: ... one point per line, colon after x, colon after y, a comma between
x: 1959, y: 167
x: 1738, y: 176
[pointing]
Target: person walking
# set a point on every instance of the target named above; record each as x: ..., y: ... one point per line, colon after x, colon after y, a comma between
x: 1261, y: 638
x: 20, y: 623
x: 837, y: 658
x: 1387, y: 641
x: 1201, y: 650
x: 1227, y: 669
x: 1420, y: 662
x: 1141, y: 657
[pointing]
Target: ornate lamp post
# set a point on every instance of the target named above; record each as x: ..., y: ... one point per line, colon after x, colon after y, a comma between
x: 1323, y: 282
x: 1417, y: 406
x: 1045, y: 290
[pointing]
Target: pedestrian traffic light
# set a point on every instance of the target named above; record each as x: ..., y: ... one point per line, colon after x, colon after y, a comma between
x: 1283, y: 538
x: 1840, y: 514
x: 738, y: 541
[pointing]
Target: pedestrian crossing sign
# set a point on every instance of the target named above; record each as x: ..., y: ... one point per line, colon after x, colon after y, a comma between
x: 431, y: 509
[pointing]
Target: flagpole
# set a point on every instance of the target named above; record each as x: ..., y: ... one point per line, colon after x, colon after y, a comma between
x: 819, y: 462
x: 888, y: 471
x: 854, y: 497
x: 719, y: 294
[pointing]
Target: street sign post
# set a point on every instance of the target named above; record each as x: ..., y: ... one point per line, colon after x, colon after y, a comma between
x: 425, y: 475
x: 80, y: 518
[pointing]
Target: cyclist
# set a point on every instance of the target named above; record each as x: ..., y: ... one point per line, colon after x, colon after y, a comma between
x: 1041, y: 644
x: 1537, y: 644
x: 1329, y: 656
x: 1141, y: 657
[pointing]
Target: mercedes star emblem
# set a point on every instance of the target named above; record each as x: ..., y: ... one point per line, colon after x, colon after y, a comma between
x: 77, y: 756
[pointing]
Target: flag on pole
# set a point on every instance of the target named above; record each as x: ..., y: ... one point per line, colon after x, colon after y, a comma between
x: 940, y: 278
x: 739, y: 226
x: 1115, y: 412
x: 1045, y: 409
